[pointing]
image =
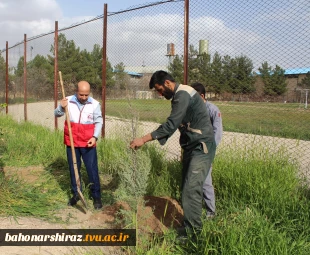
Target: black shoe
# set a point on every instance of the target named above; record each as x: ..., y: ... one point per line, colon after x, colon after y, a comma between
x: 97, y: 203
x: 181, y: 231
x: 181, y: 240
x: 210, y: 215
x: 182, y: 237
x: 73, y: 200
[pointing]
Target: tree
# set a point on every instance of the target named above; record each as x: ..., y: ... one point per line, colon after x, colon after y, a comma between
x: 216, y: 78
x: 91, y: 68
x: 194, y: 74
x: 305, y: 82
x: 243, y: 77
x: 2, y: 74
x: 227, y: 73
x: 110, y: 82
x: 19, y: 71
x: 39, y: 71
x: 41, y: 62
x: 273, y: 79
x: 77, y: 64
x: 219, y: 75
x: 175, y: 68
x: 86, y: 69
x: 120, y: 76
x: 204, y: 67
x: 68, y: 59
x: 2, y: 64
x: 96, y: 63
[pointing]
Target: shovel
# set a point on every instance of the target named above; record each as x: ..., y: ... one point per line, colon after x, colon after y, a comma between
x: 76, y: 173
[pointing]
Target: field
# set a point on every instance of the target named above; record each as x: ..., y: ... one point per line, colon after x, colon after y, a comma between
x: 270, y: 119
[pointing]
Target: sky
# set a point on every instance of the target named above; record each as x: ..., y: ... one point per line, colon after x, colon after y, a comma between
x: 276, y: 31
x: 34, y: 17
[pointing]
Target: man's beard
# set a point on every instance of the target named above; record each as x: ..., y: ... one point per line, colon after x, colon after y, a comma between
x: 168, y: 94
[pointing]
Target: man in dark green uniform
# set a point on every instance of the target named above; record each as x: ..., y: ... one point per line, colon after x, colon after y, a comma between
x: 191, y: 117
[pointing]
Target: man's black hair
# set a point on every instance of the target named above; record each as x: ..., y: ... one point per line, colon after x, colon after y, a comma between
x: 199, y: 88
x: 159, y: 77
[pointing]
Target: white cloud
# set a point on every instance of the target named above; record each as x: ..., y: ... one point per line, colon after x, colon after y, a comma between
x: 31, y: 17
x: 20, y: 10
x: 2, y: 5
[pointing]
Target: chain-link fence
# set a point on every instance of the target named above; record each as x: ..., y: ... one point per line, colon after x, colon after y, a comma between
x: 252, y: 57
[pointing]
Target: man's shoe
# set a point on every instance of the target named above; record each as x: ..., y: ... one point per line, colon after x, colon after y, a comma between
x: 181, y: 231
x: 210, y: 215
x: 182, y: 237
x: 73, y: 200
x: 97, y: 203
x: 181, y: 240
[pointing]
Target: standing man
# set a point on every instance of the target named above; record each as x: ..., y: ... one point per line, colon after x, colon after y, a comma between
x: 86, y: 123
x: 216, y: 121
x: 190, y: 116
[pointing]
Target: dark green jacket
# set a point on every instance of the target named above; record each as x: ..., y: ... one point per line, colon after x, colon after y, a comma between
x: 190, y: 115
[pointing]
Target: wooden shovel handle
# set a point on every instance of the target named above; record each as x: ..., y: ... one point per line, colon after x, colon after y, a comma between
x: 76, y: 173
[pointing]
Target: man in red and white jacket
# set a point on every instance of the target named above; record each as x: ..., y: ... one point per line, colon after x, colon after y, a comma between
x: 86, y: 123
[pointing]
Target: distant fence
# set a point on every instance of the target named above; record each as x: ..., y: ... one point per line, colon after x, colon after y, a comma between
x: 242, y: 51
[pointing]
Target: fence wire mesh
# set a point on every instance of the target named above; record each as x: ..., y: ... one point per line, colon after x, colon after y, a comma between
x: 252, y: 57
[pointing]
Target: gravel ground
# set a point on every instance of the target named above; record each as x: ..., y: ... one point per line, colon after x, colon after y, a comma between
x: 43, y: 113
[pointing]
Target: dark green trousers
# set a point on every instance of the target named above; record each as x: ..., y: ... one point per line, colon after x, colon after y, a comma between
x: 196, y: 165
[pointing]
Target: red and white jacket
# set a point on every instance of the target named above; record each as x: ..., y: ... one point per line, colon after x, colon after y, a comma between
x: 82, y: 122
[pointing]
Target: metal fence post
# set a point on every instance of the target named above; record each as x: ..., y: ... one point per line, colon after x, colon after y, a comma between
x: 186, y: 22
x: 56, y: 71
x: 104, y: 65
x: 25, y: 77
x: 7, y: 78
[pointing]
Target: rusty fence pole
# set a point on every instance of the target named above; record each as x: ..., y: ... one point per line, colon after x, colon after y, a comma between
x: 7, y: 78
x: 186, y: 25
x: 104, y: 66
x: 185, y: 67
x: 25, y: 77
x: 56, y: 72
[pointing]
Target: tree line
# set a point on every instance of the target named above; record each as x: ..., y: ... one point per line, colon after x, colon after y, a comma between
x: 233, y: 75
x: 75, y: 64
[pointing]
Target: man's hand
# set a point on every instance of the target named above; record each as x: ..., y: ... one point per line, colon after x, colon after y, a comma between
x: 136, y: 143
x: 91, y: 142
x: 64, y: 102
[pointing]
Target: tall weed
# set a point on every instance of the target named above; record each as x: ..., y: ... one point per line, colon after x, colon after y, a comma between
x: 29, y: 144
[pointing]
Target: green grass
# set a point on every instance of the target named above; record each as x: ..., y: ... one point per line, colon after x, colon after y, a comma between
x: 150, y: 110
x: 262, y: 208
x: 272, y: 119
x: 281, y: 120
x: 28, y: 144
x: 19, y: 198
